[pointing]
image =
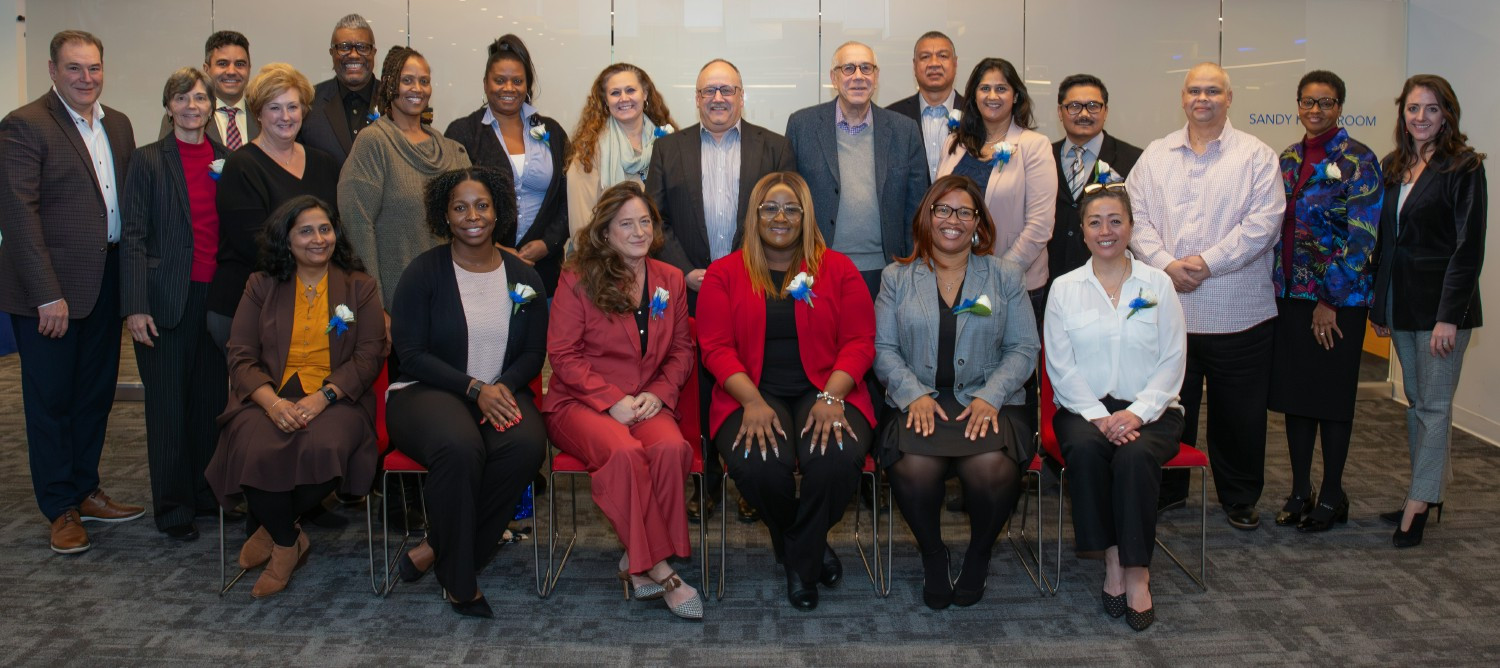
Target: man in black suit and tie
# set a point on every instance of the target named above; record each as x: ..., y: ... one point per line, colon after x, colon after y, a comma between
x: 65, y: 155
x: 934, y: 61
x: 342, y: 106
x: 1082, y: 107
x: 700, y: 179
x: 226, y: 61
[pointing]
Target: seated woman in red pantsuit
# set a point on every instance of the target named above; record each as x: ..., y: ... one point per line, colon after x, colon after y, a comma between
x: 620, y: 351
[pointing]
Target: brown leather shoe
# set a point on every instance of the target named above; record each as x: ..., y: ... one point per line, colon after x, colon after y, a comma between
x: 284, y: 561
x: 100, y: 508
x: 68, y: 534
x: 256, y: 550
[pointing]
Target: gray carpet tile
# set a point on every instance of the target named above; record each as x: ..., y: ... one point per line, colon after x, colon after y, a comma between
x: 1276, y: 596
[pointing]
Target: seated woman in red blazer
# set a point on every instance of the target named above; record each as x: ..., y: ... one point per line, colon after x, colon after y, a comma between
x: 621, y: 352
x: 788, y: 329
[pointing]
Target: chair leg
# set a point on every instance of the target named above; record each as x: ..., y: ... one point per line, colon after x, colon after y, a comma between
x: 224, y: 587
x: 1199, y: 578
x: 370, y: 538
x: 703, y: 563
x: 872, y: 561
x: 536, y: 543
x: 723, y: 535
x: 1031, y: 559
x: 554, y: 575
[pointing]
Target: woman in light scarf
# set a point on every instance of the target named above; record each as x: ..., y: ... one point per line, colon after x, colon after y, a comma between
x: 621, y: 119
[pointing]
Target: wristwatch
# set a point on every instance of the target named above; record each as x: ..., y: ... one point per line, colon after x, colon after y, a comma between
x: 474, y: 389
x: 329, y: 394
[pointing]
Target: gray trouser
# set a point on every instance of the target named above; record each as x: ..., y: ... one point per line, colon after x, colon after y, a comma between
x: 1429, y: 382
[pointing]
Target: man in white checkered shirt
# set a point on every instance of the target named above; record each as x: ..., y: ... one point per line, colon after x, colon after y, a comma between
x: 1208, y: 203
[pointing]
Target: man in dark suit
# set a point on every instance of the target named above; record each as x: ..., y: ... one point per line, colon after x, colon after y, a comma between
x: 1082, y: 107
x: 343, y: 105
x: 864, y: 165
x: 934, y: 61
x: 700, y: 179
x: 226, y: 61
x: 60, y: 280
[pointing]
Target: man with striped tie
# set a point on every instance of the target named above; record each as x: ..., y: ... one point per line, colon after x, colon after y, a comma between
x: 1082, y: 107
x: 226, y: 61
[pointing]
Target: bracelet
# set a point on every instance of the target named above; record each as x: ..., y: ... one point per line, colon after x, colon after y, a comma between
x: 830, y: 399
x: 273, y: 405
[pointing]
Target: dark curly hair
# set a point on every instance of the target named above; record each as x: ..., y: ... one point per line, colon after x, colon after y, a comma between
x: 276, y: 251
x: 390, y: 76
x: 602, y: 273
x: 971, y: 132
x: 502, y: 197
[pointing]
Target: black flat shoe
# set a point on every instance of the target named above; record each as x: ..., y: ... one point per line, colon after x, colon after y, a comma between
x: 1296, y: 508
x: 833, y: 569
x: 407, y: 569
x: 801, y: 595
x: 939, y: 595
x: 1140, y: 621
x: 1324, y: 516
x: 182, y: 532
x: 475, y: 608
x: 1114, y: 606
x: 1242, y: 516
x: 1412, y: 537
x: 965, y: 593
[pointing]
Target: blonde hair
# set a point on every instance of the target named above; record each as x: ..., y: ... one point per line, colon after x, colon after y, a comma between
x: 809, y: 249
x: 273, y: 80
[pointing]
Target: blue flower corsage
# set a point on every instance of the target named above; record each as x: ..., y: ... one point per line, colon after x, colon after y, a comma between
x: 659, y: 302
x: 339, y: 323
x: 955, y: 117
x: 521, y: 294
x: 1144, y: 299
x: 979, y: 307
x: 801, y: 288
x: 663, y: 130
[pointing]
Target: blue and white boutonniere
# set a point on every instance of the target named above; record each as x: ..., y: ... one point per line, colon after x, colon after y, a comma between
x: 1104, y: 174
x: 521, y: 294
x: 801, y: 288
x: 340, y: 321
x: 1003, y: 151
x: 955, y: 117
x: 372, y: 116
x: 1327, y: 171
x: 659, y: 302
x: 980, y: 306
x: 539, y: 131
x: 216, y: 169
x: 664, y: 130
x: 1144, y: 299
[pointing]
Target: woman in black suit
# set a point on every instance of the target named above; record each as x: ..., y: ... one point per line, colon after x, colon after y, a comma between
x: 470, y: 326
x: 170, y: 235
x: 1427, y: 284
x: 508, y: 134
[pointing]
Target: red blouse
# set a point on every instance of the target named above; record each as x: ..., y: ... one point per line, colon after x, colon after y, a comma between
x: 203, y: 208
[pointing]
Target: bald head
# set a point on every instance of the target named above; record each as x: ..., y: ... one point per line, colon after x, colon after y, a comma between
x: 1206, y: 97
x: 720, y: 109
x: 1206, y: 69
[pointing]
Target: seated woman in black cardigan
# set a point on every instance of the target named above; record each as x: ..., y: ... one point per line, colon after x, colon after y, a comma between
x: 469, y: 323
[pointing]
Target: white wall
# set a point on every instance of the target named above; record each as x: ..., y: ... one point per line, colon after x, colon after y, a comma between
x: 12, y: 54
x: 1457, y: 39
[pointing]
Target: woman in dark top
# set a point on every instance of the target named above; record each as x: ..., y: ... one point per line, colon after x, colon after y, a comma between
x: 956, y: 339
x: 508, y: 135
x: 789, y: 395
x: 269, y: 170
x: 470, y: 325
x: 1427, y: 285
x: 1323, y: 276
x: 169, y: 218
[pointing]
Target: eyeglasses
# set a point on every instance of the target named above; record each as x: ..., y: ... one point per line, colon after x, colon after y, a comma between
x: 848, y: 69
x: 1324, y: 103
x: 944, y: 212
x: 1075, y: 108
x: 363, y: 48
x: 769, y: 210
x: 1096, y: 187
x: 727, y: 91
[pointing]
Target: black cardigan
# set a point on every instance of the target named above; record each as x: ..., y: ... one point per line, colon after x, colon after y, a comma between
x: 551, y: 224
x: 1433, y: 264
x: 430, y: 334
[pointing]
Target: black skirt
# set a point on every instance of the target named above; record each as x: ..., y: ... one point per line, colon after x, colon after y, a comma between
x: 1014, y: 435
x: 1306, y: 379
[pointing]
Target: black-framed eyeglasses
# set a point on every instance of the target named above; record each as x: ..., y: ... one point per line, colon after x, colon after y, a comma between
x: 1096, y: 187
x: 727, y: 91
x: 848, y: 69
x: 1075, y: 108
x: 363, y: 48
x: 944, y: 212
x: 1324, y: 103
x: 769, y: 210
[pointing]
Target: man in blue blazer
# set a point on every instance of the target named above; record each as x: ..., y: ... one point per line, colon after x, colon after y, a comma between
x: 865, y: 166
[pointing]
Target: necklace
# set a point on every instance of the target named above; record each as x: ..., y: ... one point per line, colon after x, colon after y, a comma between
x: 292, y: 155
x: 310, y: 290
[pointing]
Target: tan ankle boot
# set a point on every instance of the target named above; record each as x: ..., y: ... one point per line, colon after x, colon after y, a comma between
x: 256, y: 550
x: 284, y: 561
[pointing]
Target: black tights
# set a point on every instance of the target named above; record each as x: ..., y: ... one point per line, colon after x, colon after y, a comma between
x: 1301, y: 432
x: 278, y: 511
x: 991, y: 484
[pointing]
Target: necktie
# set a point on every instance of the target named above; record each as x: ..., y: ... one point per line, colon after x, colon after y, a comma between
x: 232, y: 138
x: 1074, y: 182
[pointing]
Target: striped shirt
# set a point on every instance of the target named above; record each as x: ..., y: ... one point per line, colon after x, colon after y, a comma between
x: 935, y: 130
x: 1226, y: 206
x: 720, y: 162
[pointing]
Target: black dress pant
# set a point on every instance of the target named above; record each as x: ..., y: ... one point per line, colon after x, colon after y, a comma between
x: 186, y: 386
x: 475, y: 474
x: 1238, y: 370
x: 67, y: 389
x: 1114, y: 487
x: 798, y: 524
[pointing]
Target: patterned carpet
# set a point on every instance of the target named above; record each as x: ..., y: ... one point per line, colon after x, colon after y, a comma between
x: 1276, y: 597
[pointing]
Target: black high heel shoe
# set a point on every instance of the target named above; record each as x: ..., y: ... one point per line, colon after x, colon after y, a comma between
x: 1324, y: 516
x: 408, y: 569
x: 1394, y: 517
x: 1412, y: 537
x: 940, y: 597
x: 1114, y: 606
x: 1296, y: 508
x: 964, y: 596
x: 475, y: 608
x: 1142, y: 620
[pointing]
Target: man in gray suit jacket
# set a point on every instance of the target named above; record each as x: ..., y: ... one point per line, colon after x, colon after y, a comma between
x: 65, y: 157
x: 342, y: 105
x: 226, y: 61
x: 864, y: 164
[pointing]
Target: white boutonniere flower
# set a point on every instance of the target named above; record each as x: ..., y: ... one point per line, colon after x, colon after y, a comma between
x: 659, y: 302
x: 801, y: 288
x: 216, y: 169
x: 980, y: 306
x: 521, y: 294
x: 1104, y: 174
x: 339, y: 323
x: 1331, y: 171
x: 955, y: 117
x: 664, y: 130
x: 1003, y: 151
x: 539, y: 133
x: 1144, y: 299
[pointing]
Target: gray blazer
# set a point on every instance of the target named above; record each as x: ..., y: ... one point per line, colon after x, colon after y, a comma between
x: 993, y: 355
x: 900, y: 169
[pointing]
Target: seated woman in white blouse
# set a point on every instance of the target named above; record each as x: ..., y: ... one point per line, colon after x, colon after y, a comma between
x: 1115, y: 342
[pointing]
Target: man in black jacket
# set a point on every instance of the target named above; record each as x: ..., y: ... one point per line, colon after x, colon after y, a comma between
x: 934, y: 61
x: 1085, y: 152
x: 342, y: 106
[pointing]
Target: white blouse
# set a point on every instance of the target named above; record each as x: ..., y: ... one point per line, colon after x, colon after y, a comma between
x: 1094, y: 350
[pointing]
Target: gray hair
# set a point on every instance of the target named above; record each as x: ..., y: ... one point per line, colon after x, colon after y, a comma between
x: 353, y: 22
x: 182, y: 81
x: 834, y: 60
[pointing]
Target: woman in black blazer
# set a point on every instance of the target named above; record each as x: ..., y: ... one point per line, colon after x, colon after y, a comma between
x: 1427, y: 283
x: 469, y: 323
x: 508, y: 135
x: 170, y: 235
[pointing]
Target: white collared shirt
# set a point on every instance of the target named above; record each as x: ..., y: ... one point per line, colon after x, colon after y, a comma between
x: 222, y: 119
x: 1094, y: 350
x: 97, y: 141
x: 934, y: 119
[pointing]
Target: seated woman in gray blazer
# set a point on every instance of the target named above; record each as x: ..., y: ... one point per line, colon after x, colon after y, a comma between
x: 1116, y: 355
x: 955, y: 340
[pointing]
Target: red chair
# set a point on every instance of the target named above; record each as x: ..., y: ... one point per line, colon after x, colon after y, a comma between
x: 565, y: 464
x: 1188, y: 457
